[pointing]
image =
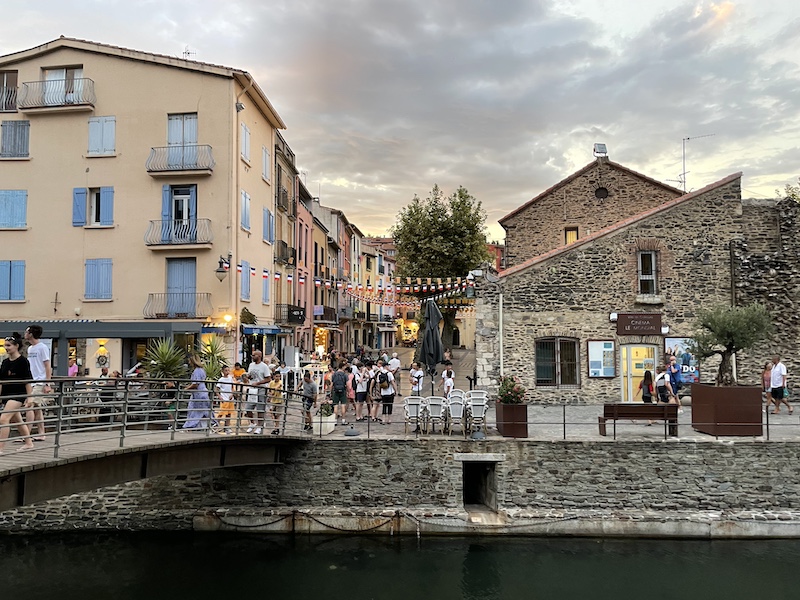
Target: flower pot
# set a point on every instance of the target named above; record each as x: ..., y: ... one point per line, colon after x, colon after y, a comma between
x: 512, y: 419
x: 726, y: 410
x: 323, y: 425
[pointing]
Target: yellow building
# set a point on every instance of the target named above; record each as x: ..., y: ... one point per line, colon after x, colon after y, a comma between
x: 127, y: 182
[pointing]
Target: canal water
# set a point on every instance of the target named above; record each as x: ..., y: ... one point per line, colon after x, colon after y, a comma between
x: 174, y: 566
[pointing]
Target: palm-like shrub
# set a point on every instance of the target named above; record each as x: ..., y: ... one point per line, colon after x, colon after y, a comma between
x: 165, y: 360
x: 214, y: 357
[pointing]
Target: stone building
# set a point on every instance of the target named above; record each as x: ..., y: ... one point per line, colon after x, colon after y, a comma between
x: 581, y: 321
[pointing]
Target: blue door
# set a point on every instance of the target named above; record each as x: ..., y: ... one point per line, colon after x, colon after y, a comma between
x: 179, y: 214
x: 181, y: 288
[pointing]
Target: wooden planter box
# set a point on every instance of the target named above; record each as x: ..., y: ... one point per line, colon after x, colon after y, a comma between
x: 734, y: 410
x: 512, y: 419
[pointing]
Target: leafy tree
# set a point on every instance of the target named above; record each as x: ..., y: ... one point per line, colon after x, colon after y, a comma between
x: 790, y: 191
x: 165, y: 360
x: 439, y: 237
x: 725, y: 330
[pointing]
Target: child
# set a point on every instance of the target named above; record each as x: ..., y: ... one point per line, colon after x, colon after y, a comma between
x: 225, y: 395
x: 276, y: 401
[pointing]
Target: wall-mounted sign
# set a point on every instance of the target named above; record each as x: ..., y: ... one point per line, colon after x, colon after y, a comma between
x: 639, y: 324
x: 602, y: 358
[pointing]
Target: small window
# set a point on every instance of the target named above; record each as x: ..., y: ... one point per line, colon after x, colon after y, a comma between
x: 556, y: 362
x: 647, y: 272
x: 265, y: 288
x: 8, y: 91
x: 245, y: 281
x: 12, y: 280
x: 93, y: 206
x: 15, y: 139
x: 570, y: 235
x: 13, y: 209
x: 268, y: 226
x: 245, y: 210
x: 266, y: 165
x: 102, y: 136
x: 98, y: 279
x: 245, y: 142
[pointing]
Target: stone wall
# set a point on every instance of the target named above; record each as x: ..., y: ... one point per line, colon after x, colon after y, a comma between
x: 424, y: 475
x: 540, y: 227
x: 572, y: 293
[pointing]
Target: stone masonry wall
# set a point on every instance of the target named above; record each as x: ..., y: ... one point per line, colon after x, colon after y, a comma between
x: 540, y: 227
x: 422, y: 474
x: 573, y: 293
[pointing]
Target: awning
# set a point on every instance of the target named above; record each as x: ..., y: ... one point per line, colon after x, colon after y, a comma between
x: 334, y: 329
x: 218, y: 328
x: 258, y: 330
x: 387, y: 327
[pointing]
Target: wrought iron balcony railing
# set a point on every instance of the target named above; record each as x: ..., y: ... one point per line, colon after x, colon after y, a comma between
x: 290, y: 313
x: 345, y: 312
x: 282, y: 198
x: 359, y: 315
x: 56, y: 93
x: 325, y: 313
x: 190, y: 157
x: 175, y: 232
x: 178, y: 305
x: 8, y: 99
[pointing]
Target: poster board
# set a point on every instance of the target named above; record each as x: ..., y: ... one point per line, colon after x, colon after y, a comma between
x: 602, y: 358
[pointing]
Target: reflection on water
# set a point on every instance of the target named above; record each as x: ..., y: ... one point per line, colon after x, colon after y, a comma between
x: 198, y: 566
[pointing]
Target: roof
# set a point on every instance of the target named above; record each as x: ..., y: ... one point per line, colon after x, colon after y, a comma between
x: 581, y: 172
x: 618, y: 226
x: 242, y: 77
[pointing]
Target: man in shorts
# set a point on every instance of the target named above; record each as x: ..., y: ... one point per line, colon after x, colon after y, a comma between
x: 309, y: 390
x: 259, y: 375
x: 777, y: 385
x: 339, y: 392
x: 275, y: 393
x: 42, y: 371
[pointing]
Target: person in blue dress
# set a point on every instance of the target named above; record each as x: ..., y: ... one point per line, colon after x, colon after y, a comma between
x: 199, y: 413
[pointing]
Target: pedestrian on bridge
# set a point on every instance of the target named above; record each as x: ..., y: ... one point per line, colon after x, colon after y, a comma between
x: 199, y: 415
x: 16, y: 370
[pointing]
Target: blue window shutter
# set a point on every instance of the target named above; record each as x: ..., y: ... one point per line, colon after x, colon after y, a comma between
x: 14, y: 139
x: 245, y: 280
x: 109, y: 135
x: 166, y: 213
x: 193, y: 203
x: 271, y: 228
x: 79, y: 207
x: 265, y: 224
x: 104, y: 277
x: 98, y: 279
x: 19, y: 208
x: 17, y: 280
x: 245, y: 210
x: 265, y: 290
x: 5, y: 280
x: 90, y: 284
x: 106, y: 206
x: 5, y: 208
x: 95, y: 135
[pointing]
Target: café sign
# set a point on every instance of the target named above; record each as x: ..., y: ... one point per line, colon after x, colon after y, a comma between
x: 639, y: 324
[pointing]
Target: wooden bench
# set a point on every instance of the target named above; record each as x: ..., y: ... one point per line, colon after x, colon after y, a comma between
x: 649, y: 412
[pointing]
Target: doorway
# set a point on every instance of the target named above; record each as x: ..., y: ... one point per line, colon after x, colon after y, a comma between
x: 635, y: 360
x: 480, y: 485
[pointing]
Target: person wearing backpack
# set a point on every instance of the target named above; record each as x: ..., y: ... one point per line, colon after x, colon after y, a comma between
x: 386, y: 384
x: 373, y: 392
x: 339, y: 393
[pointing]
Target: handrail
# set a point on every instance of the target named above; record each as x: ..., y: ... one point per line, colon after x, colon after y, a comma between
x: 175, y: 232
x: 185, y: 157
x: 178, y: 305
x: 56, y: 92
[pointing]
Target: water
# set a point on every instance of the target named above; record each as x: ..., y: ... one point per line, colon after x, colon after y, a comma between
x: 183, y: 565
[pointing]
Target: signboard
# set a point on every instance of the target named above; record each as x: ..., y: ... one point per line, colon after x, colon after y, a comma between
x: 679, y: 348
x: 602, y: 358
x: 639, y: 324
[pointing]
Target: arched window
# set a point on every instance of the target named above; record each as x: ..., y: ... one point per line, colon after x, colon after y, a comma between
x: 557, y: 362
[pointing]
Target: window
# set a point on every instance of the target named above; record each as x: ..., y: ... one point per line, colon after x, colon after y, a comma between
x: 269, y: 226
x: 14, y: 139
x: 13, y: 209
x: 102, y: 136
x: 570, y: 235
x: 8, y: 91
x: 556, y: 362
x: 245, y: 210
x: 245, y: 280
x: 63, y: 86
x: 245, y: 142
x: 265, y: 288
x: 647, y: 272
x: 12, y: 280
x: 93, y: 206
x: 98, y: 279
x: 266, y: 165
x: 369, y: 263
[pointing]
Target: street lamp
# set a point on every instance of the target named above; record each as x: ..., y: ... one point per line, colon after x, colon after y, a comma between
x: 221, y: 272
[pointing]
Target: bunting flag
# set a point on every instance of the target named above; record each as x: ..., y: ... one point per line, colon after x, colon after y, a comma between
x: 226, y: 265
x: 301, y: 280
x: 327, y: 284
x: 239, y: 268
x: 349, y: 285
x: 289, y: 277
x: 252, y: 271
x: 277, y: 275
x: 360, y: 287
x: 369, y: 287
x: 317, y: 282
x: 339, y: 285
x: 265, y: 274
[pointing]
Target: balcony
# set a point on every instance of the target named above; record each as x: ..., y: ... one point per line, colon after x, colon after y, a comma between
x: 282, y: 198
x: 346, y: 312
x: 359, y: 315
x: 8, y: 99
x: 191, y: 159
x: 372, y: 317
x: 381, y: 270
x: 284, y: 253
x: 387, y: 319
x: 179, y: 232
x: 57, y: 95
x: 290, y: 313
x: 324, y: 314
x: 178, y: 305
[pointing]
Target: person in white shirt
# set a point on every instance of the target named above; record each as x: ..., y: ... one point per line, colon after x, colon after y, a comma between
x: 259, y: 375
x: 778, y: 385
x: 42, y: 372
x: 394, y: 369
x: 225, y: 414
x: 387, y: 393
x: 416, y: 377
x: 448, y: 381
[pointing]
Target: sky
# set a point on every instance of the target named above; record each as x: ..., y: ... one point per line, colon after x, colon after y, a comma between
x: 382, y: 99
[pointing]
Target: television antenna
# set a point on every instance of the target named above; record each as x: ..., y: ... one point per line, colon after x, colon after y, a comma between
x: 682, y: 176
x: 188, y: 54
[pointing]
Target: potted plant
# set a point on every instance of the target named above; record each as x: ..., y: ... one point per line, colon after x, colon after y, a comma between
x: 727, y: 408
x: 512, y: 413
x: 324, y: 422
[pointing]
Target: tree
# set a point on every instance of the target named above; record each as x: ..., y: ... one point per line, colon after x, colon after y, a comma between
x: 790, y: 191
x: 725, y: 330
x: 439, y: 237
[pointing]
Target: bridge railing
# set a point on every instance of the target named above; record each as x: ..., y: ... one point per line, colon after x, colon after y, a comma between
x: 127, y: 408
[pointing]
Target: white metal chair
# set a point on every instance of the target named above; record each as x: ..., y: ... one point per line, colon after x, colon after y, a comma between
x: 455, y: 415
x: 477, y: 395
x: 435, y: 411
x: 477, y: 408
x: 457, y: 394
x: 412, y: 406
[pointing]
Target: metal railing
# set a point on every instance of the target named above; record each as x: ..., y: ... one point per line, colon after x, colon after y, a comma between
x: 328, y: 314
x: 174, y: 232
x: 8, y: 99
x: 178, y: 305
x: 56, y: 92
x: 189, y: 157
x: 290, y: 313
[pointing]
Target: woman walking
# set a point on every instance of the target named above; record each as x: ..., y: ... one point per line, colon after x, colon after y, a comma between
x: 199, y: 413
x: 14, y: 368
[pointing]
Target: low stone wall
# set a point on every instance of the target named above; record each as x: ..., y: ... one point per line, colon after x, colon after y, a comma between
x: 424, y: 477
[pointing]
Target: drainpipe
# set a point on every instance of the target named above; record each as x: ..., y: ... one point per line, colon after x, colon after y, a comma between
x: 500, y: 317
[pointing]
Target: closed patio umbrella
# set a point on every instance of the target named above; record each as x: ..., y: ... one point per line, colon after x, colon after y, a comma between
x: 431, y: 352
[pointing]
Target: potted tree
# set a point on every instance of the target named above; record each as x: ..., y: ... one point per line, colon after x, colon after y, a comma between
x: 324, y: 422
x: 511, y: 412
x: 726, y: 408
